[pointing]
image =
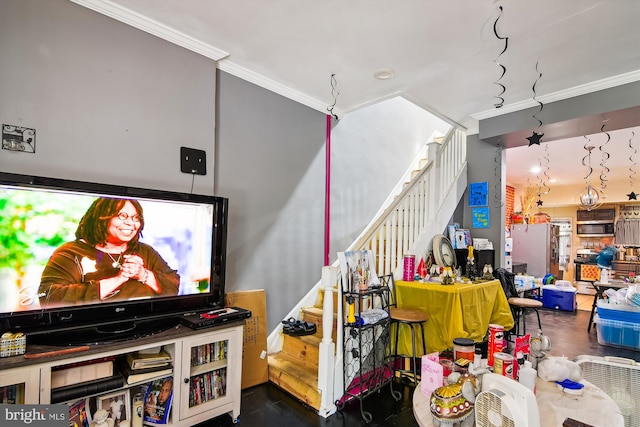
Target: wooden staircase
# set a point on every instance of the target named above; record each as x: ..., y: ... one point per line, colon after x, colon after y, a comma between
x: 295, y: 368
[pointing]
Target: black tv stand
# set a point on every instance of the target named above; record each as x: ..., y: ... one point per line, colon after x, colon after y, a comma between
x: 105, y: 333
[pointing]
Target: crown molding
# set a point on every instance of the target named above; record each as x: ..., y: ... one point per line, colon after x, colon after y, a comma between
x: 584, y: 89
x: 136, y: 20
x: 283, y: 90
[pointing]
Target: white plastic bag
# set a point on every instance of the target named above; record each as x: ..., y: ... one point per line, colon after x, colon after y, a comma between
x: 633, y: 294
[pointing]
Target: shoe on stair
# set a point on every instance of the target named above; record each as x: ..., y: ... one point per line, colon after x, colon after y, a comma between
x: 298, y: 328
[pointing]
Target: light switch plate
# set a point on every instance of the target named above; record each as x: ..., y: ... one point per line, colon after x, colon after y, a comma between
x: 193, y: 161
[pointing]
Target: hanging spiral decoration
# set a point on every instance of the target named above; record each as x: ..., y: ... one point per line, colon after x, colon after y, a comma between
x: 588, y: 148
x: 497, y: 182
x: 544, y: 169
x: 547, y: 161
x: 603, y: 163
x: 503, y: 88
x: 533, y: 88
x: 632, y: 169
x: 334, y: 94
x: 539, y: 193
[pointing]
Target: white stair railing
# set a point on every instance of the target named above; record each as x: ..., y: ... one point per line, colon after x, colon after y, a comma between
x: 413, y: 212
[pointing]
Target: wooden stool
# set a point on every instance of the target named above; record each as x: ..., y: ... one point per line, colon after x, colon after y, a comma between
x: 410, y: 318
x: 519, y: 307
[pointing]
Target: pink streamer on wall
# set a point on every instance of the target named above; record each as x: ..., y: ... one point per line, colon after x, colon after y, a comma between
x: 327, y: 190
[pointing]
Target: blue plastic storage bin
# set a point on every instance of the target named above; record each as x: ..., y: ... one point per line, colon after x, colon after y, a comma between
x: 559, y: 297
x: 617, y: 333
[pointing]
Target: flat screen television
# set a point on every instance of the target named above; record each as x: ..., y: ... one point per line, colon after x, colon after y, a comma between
x: 54, y: 278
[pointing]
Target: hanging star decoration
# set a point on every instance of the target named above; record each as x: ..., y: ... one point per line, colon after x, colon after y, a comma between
x: 539, y: 202
x: 632, y: 196
x: 535, y: 138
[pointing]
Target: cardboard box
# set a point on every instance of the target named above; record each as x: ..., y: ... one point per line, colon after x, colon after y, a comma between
x: 255, y: 369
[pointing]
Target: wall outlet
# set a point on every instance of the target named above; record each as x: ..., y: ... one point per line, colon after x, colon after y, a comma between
x: 193, y: 161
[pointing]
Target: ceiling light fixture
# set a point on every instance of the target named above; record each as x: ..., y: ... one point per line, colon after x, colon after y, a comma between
x: 384, y: 74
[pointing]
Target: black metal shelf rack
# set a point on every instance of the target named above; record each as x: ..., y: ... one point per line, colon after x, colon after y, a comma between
x: 367, y: 359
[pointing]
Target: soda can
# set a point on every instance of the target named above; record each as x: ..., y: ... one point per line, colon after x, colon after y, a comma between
x: 409, y: 268
x: 496, y: 340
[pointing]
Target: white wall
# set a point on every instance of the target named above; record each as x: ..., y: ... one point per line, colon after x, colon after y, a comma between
x: 371, y: 149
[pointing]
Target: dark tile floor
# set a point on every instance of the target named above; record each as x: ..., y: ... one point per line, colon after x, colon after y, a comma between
x: 266, y: 405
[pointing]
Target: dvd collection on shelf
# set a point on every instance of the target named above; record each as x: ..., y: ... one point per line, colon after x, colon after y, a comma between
x: 207, y: 353
x: 12, y: 394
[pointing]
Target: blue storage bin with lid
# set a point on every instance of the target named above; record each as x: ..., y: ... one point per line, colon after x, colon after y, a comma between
x: 624, y: 312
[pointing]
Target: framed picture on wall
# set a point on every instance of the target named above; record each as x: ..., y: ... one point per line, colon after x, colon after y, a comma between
x: 478, y: 194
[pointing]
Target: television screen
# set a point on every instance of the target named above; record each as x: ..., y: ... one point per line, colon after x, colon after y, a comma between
x: 73, y: 253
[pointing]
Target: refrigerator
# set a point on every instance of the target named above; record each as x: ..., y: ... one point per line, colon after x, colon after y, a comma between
x: 537, y: 246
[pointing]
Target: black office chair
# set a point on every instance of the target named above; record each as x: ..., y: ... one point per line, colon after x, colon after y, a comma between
x: 518, y: 305
x: 410, y: 318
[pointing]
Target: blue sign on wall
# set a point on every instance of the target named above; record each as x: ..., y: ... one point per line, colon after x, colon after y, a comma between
x: 480, y: 218
x: 479, y: 194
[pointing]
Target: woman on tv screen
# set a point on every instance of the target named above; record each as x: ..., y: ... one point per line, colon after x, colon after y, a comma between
x: 107, y: 261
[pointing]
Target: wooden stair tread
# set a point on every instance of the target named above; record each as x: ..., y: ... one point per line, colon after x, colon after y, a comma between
x: 305, y: 348
x: 295, y: 377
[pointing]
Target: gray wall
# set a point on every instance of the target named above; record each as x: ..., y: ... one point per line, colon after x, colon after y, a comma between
x: 270, y: 164
x: 486, y: 165
x: 109, y: 103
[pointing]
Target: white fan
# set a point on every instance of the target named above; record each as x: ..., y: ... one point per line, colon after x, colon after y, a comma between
x: 504, y: 402
x: 619, y: 378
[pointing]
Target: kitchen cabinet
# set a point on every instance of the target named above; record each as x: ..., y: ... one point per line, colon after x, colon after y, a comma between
x: 608, y: 215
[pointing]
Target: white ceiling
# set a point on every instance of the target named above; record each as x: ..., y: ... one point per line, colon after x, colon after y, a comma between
x: 444, y: 53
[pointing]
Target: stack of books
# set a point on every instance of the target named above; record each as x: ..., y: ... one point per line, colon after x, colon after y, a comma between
x: 143, y: 366
x: 79, y: 372
x: 83, y: 378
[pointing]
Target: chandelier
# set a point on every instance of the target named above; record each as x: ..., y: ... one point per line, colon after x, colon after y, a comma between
x: 589, y: 197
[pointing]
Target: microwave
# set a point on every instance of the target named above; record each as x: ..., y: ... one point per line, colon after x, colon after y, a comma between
x: 594, y: 229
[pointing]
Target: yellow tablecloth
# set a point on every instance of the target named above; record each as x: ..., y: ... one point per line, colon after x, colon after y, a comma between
x: 454, y: 311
